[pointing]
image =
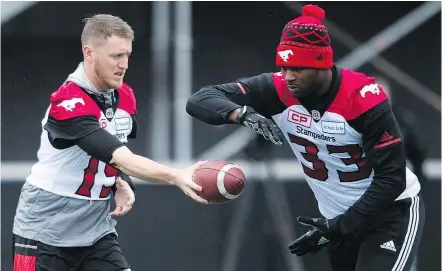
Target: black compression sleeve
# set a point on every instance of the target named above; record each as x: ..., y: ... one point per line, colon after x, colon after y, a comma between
x: 386, y: 155
x: 62, y: 133
x: 133, y: 133
x: 86, y: 133
x: 414, y: 150
x: 212, y: 104
x: 99, y: 144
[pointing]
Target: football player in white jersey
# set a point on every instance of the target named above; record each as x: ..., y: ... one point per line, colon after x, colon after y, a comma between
x: 63, y: 219
x: 340, y: 126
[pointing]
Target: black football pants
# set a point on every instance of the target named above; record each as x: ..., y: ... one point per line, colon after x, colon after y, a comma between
x: 389, y: 242
x: 105, y: 254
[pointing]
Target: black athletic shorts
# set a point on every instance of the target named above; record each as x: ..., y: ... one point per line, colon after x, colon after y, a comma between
x: 105, y: 254
x: 389, y: 242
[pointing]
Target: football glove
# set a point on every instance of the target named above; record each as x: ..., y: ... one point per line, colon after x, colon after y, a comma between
x: 322, y: 233
x: 248, y: 117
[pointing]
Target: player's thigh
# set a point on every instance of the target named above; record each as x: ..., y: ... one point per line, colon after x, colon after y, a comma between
x: 106, y: 254
x: 395, y: 245
x: 343, y: 255
x: 30, y: 255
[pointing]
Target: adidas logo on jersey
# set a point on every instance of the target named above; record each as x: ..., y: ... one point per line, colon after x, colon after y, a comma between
x: 389, y: 245
x: 385, y: 137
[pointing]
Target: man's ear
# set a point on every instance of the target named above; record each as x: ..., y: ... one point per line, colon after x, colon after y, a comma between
x: 87, y: 53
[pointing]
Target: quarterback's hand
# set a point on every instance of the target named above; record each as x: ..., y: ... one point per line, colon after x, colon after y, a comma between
x: 323, y: 231
x: 124, y: 198
x: 184, y: 180
x: 248, y: 117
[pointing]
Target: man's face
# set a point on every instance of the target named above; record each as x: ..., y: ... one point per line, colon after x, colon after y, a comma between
x: 301, y: 81
x: 110, y: 60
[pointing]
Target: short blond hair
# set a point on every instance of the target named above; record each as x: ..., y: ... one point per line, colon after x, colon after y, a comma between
x: 102, y: 26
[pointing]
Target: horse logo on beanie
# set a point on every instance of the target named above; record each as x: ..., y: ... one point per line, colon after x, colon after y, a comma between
x: 285, y: 55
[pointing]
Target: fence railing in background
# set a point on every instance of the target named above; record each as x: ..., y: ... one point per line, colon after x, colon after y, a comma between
x: 282, y: 169
x: 183, y: 66
x: 160, y: 103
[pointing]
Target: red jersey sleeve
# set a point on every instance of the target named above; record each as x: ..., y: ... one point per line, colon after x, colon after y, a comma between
x: 367, y: 97
x: 70, y: 101
x: 128, y: 102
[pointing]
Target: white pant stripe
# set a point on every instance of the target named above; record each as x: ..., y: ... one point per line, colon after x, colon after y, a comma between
x: 25, y: 246
x: 413, y: 224
x: 414, y: 230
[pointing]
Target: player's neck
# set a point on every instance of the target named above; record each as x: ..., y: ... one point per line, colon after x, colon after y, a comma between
x: 327, y: 80
x: 93, y: 78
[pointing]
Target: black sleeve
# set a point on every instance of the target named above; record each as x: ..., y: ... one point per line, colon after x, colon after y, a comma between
x: 62, y: 133
x: 99, y: 144
x: 86, y: 133
x: 133, y: 133
x: 415, y: 153
x: 414, y: 150
x: 212, y: 104
x: 384, y: 148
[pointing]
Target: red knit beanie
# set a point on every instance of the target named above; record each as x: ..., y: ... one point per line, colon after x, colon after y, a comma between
x: 305, y: 41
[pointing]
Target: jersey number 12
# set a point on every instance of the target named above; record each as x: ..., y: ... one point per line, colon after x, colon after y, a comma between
x: 89, y: 179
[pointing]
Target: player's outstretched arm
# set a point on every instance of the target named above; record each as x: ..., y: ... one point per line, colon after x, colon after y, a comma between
x: 250, y: 102
x: 149, y: 170
x: 86, y: 133
x: 141, y: 167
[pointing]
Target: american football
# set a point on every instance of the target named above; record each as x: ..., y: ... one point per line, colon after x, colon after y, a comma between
x: 221, y: 181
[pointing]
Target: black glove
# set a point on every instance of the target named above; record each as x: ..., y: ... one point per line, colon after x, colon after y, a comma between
x: 322, y: 233
x: 248, y: 117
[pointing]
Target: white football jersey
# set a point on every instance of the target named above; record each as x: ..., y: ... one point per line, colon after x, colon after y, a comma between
x: 70, y: 171
x: 330, y: 149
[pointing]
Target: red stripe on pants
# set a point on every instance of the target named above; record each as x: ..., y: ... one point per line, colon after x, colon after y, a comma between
x: 24, y: 263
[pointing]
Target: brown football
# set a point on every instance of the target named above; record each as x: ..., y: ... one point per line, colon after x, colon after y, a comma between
x: 221, y: 181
